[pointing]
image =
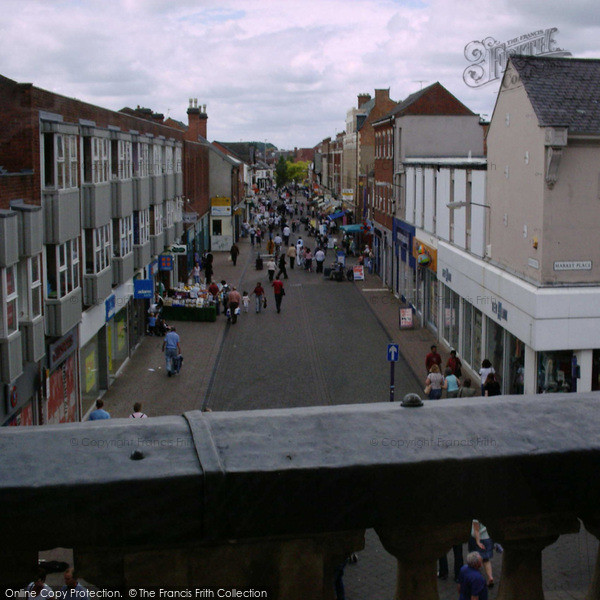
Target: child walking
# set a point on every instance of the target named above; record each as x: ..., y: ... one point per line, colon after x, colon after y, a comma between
x: 245, y: 301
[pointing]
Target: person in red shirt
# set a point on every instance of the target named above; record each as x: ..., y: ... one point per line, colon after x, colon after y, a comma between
x: 213, y: 290
x: 259, y: 293
x: 279, y: 293
x: 433, y: 358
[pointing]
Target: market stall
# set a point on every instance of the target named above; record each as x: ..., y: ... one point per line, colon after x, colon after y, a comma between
x: 189, y: 304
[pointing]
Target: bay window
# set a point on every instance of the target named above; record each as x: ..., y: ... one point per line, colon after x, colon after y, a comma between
x: 8, y: 301
x: 60, y: 161
x: 141, y: 227
x: 96, y: 159
x: 123, y: 236
x: 97, y: 249
x: 63, y: 268
x: 156, y: 219
x: 30, y: 288
x: 121, y: 167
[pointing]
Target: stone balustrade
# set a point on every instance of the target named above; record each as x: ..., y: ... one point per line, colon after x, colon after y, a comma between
x: 275, y: 499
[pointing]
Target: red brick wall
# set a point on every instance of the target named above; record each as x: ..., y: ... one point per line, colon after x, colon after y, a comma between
x: 195, y: 177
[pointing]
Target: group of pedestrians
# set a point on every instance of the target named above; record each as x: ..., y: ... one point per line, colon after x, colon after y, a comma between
x: 449, y: 380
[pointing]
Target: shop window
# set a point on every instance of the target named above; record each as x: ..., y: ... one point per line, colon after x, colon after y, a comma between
x: 554, y: 372
x: 471, y: 341
x: 9, y: 298
x: 63, y: 269
x: 97, y: 249
x: 495, y: 347
x: 216, y: 227
x: 516, y: 365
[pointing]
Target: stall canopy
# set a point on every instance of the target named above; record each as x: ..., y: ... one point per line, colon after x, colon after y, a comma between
x: 354, y: 228
x: 337, y: 215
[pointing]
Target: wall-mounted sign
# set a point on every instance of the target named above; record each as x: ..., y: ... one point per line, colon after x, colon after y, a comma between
x: 220, y: 206
x: 573, y: 265
x: 143, y: 288
x: 533, y: 262
x: 165, y: 262
x: 59, y: 350
x: 189, y: 217
x: 110, y: 305
x: 425, y: 255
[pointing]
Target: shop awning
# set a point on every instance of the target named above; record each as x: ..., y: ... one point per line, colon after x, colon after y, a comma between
x: 337, y: 215
x: 354, y: 228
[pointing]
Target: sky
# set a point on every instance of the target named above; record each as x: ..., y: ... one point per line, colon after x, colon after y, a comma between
x: 286, y: 71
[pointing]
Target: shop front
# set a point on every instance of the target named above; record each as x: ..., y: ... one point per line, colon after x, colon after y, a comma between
x: 221, y: 224
x: 117, y: 339
x: 22, y: 398
x: 62, y: 397
x: 89, y: 360
x: 426, y: 283
x: 405, y: 263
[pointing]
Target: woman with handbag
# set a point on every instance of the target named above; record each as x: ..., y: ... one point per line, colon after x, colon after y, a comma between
x: 435, y: 383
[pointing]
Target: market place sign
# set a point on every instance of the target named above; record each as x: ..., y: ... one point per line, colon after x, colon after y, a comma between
x: 573, y: 265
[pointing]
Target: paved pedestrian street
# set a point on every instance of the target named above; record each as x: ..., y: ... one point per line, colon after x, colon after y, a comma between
x: 327, y: 346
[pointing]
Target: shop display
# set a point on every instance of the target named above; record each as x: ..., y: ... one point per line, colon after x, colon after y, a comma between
x: 189, y: 303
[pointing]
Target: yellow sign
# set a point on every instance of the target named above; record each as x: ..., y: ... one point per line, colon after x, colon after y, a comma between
x: 425, y: 255
x: 220, y: 201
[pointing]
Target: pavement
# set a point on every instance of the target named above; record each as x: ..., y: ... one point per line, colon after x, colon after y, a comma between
x: 322, y: 324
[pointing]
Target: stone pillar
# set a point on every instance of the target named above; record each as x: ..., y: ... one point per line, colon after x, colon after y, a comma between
x: 523, y: 540
x: 417, y: 553
x: 286, y: 568
x: 592, y: 524
x: 530, y: 379
x: 585, y: 359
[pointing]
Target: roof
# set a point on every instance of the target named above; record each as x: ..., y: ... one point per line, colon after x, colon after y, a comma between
x: 564, y: 92
x: 435, y: 99
x: 245, y: 151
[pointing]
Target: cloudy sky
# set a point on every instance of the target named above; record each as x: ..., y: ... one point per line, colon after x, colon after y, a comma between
x: 282, y: 70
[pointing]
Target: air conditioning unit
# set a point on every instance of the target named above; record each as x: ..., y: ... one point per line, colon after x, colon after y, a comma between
x: 488, y: 251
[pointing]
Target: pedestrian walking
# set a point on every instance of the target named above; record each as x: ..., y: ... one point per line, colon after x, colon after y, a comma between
x: 214, y: 291
x: 196, y: 273
x: 99, y: 413
x: 234, y: 253
x: 72, y: 587
x: 451, y: 383
x: 455, y: 364
x: 481, y: 542
x: 234, y: 304
x: 224, y: 295
x: 245, y: 301
x: 259, y: 295
x: 457, y: 551
x: 172, y: 350
x: 319, y: 260
x: 258, y: 237
x: 282, y: 268
x: 279, y: 292
x: 491, y: 387
x: 486, y: 369
x: 137, y: 412
x: 308, y: 260
x: 433, y: 358
x: 271, y: 266
x: 466, y: 391
x: 291, y: 254
x: 435, y: 383
x: 286, y: 235
x: 252, y: 235
x: 470, y: 580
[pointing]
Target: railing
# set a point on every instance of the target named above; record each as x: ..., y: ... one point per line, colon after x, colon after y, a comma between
x: 274, y: 499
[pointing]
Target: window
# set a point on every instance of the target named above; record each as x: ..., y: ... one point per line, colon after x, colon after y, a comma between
x: 140, y: 159
x: 170, y: 210
x: 178, y: 165
x: 96, y: 160
x: 63, y: 268
x: 120, y: 159
x: 156, y: 160
x: 156, y: 219
x: 169, y: 159
x: 9, y: 301
x: 123, y: 236
x: 30, y: 288
x: 60, y: 161
x: 97, y: 249
x: 141, y: 227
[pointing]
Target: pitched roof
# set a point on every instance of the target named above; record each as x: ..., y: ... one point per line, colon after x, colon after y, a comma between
x: 245, y: 151
x: 435, y: 99
x: 564, y: 92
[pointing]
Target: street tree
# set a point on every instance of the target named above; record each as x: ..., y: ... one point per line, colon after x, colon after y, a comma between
x: 281, y: 172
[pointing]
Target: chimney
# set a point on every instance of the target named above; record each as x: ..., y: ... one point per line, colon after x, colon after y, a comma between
x: 197, y: 120
x: 382, y: 95
x: 363, y: 99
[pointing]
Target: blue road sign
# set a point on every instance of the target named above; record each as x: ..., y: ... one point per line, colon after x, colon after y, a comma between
x: 392, y: 353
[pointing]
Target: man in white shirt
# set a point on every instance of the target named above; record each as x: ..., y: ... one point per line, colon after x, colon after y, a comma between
x: 319, y: 260
x: 286, y: 235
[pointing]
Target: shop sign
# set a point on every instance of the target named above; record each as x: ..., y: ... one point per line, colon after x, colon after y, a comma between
x: 59, y: 350
x: 425, y: 255
x: 573, y: 265
x: 110, y: 305
x: 165, y: 262
x: 220, y: 206
x: 189, y: 217
x: 499, y: 310
x: 142, y: 289
x: 446, y: 275
x: 406, y: 318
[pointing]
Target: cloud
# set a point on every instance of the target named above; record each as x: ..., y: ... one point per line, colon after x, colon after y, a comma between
x: 288, y: 71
